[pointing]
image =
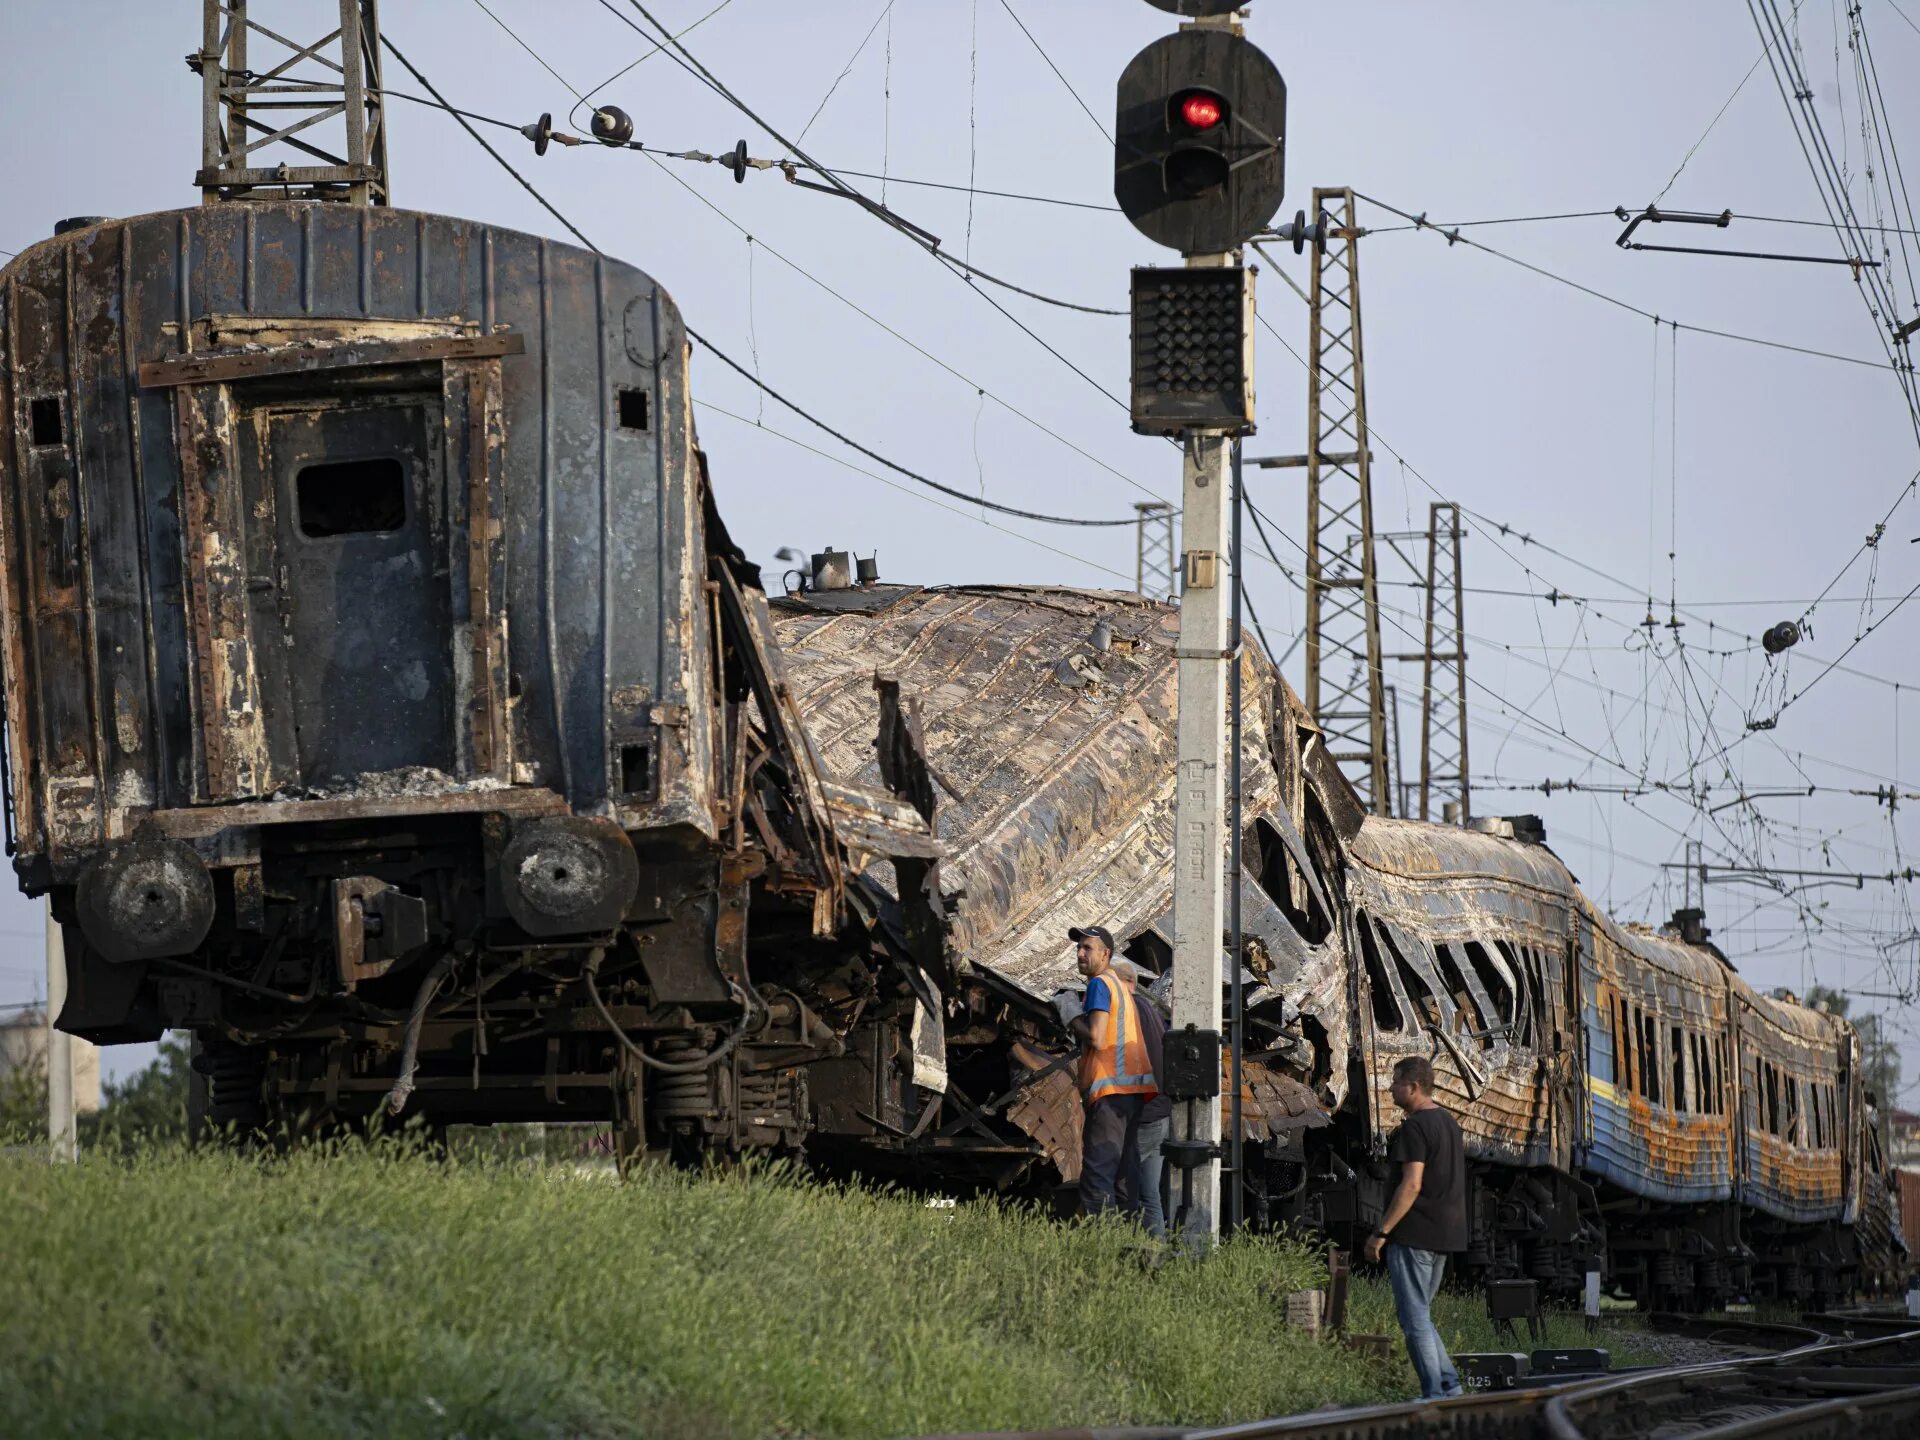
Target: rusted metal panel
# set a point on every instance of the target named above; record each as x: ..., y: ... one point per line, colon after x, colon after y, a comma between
x: 1059, y: 790
x: 230, y: 715
x: 1646, y: 990
x: 1908, y: 1183
x: 1795, y: 1161
x: 1053, y: 759
x: 429, y: 798
x: 163, y: 328
x: 475, y: 439
x: 280, y: 360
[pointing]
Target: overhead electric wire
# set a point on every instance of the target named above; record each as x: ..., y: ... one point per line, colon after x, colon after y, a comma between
x: 1040, y: 50
x: 745, y: 372
x: 847, y: 69
x: 1693, y: 149
x: 959, y: 510
x: 1421, y: 223
x: 909, y: 343
x: 1522, y: 715
x: 920, y: 237
x: 635, y: 64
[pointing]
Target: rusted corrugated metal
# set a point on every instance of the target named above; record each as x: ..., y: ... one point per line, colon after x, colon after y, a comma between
x: 1797, y: 1150
x: 1463, y: 939
x: 1908, y: 1183
x: 1056, y: 758
x: 156, y: 372
x: 1054, y: 761
x: 1662, y: 1095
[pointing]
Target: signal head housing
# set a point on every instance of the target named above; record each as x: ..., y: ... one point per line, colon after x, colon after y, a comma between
x: 1199, y: 159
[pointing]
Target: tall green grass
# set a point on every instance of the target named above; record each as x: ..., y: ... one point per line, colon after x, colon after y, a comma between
x: 347, y: 1291
x: 352, y: 1291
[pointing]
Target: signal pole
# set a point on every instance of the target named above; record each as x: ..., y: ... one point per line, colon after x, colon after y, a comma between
x: 62, y: 1136
x: 1198, y: 167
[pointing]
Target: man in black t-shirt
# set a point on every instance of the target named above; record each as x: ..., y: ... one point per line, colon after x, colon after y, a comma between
x: 1426, y: 1220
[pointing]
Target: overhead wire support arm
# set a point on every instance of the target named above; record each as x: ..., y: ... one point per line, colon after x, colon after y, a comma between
x: 1654, y: 215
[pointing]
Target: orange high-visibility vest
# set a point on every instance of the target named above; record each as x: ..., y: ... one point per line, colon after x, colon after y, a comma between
x: 1116, y: 1063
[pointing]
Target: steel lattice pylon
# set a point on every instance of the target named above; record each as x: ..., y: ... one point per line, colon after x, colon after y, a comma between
x: 1443, y: 692
x: 323, y: 101
x: 1153, y: 564
x: 1344, y: 685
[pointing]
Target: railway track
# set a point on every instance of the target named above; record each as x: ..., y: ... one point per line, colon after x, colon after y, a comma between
x: 1840, y: 1376
x: 1853, y: 1375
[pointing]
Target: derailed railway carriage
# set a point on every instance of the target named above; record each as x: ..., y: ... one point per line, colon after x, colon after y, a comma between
x: 387, y: 705
x: 386, y: 702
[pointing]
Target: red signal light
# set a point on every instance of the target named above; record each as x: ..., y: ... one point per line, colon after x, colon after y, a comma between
x: 1201, y: 110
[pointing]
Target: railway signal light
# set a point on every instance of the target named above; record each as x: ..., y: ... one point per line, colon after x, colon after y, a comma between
x: 1199, y: 150
x: 1192, y: 363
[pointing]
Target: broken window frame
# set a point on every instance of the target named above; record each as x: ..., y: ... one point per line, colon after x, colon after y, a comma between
x: 1471, y: 1020
x: 1678, y: 1061
x: 1414, y: 958
x: 1273, y: 835
x: 1373, y: 949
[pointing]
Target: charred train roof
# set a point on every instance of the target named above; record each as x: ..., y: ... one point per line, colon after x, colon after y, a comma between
x: 1054, y: 756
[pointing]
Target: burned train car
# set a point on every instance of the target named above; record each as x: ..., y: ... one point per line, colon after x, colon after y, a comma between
x: 1046, y: 718
x: 386, y: 704
x: 1630, y: 1104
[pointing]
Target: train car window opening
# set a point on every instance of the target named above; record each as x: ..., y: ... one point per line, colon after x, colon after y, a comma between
x: 1792, y: 1132
x: 1536, y: 968
x: 1420, y: 993
x: 1639, y: 1053
x: 1496, y: 978
x: 633, y: 409
x: 1649, y: 1056
x: 1386, y: 1004
x: 1282, y: 875
x: 1679, y: 1091
x: 44, y: 422
x: 1468, y: 1021
x: 352, y: 497
x: 1616, y: 1024
x: 1623, y: 1050
x: 636, y: 769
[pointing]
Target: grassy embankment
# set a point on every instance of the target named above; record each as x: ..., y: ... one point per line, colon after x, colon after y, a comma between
x: 354, y: 1293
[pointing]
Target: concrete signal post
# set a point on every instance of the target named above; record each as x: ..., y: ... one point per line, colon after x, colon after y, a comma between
x: 1198, y: 167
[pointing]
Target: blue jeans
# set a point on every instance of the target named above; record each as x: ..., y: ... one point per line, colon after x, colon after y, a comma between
x: 1107, y: 1150
x: 1141, y: 1197
x: 1416, y: 1276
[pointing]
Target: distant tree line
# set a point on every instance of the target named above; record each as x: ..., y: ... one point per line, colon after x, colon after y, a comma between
x: 148, y: 1107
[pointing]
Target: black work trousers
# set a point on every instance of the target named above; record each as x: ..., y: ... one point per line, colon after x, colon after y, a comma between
x: 1107, y: 1143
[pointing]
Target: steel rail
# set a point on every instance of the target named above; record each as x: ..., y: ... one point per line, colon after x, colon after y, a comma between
x: 1863, y: 1408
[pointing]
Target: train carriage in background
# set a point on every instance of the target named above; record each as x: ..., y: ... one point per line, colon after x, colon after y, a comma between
x: 1800, y: 1140
x: 1660, y: 1114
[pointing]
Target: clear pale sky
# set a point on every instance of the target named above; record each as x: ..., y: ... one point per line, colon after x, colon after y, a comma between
x: 1525, y: 400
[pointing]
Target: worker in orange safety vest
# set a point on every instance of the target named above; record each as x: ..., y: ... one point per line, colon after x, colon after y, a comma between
x: 1116, y: 1077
